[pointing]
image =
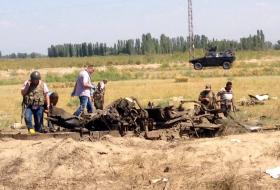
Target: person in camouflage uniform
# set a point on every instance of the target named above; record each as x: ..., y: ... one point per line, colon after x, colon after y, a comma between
x: 35, y: 94
x: 208, y: 98
x: 98, y: 95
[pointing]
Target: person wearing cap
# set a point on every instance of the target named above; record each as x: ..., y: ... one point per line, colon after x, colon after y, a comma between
x: 99, y: 94
x: 226, y: 99
x: 82, y: 89
x: 207, y: 97
x: 35, y: 94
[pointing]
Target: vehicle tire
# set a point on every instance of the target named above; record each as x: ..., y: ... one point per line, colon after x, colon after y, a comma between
x: 226, y: 65
x: 198, y: 66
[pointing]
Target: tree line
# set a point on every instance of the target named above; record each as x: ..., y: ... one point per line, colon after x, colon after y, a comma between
x: 21, y: 55
x: 162, y: 45
x: 148, y: 44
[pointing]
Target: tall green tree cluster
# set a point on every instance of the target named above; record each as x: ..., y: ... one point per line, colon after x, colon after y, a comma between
x: 21, y: 55
x: 77, y: 50
x: 277, y: 46
x: 146, y: 45
x: 162, y: 45
x: 255, y: 42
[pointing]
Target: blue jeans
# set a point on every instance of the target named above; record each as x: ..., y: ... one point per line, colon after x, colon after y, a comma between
x: 84, y: 103
x: 38, y: 114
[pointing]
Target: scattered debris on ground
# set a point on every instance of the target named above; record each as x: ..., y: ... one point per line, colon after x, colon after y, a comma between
x: 126, y: 115
x: 256, y: 100
x: 274, y: 172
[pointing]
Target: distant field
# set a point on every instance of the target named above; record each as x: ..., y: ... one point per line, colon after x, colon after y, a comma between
x: 120, y: 68
x: 95, y: 60
x: 12, y: 64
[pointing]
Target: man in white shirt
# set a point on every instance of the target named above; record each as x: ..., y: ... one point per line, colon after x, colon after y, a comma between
x: 82, y: 89
x: 226, y: 99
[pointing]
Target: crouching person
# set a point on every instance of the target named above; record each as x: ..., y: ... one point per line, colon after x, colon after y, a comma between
x: 53, y: 99
x: 35, y: 93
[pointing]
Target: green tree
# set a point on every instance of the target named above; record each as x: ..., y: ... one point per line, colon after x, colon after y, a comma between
x: 71, y: 50
x: 84, y: 49
x: 13, y: 56
x: 90, y: 49
x: 130, y: 48
x: 277, y: 46
x: 138, y: 46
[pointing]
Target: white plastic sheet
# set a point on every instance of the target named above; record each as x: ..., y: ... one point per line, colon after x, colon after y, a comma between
x: 274, y: 172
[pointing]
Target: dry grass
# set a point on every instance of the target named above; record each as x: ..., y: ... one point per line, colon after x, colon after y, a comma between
x: 157, y: 84
x: 274, y: 151
x: 181, y: 79
x: 6, y: 64
x: 158, y: 91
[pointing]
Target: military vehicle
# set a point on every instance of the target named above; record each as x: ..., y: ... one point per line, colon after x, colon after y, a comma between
x: 214, y: 59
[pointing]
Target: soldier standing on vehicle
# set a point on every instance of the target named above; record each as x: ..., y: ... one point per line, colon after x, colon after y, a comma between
x: 83, y: 89
x: 99, y: 94
x: 208, y: 98
x: 35, y: 93
x: 226, y: 99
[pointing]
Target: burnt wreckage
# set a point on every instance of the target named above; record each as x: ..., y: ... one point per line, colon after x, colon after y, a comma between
x: 126, y: 115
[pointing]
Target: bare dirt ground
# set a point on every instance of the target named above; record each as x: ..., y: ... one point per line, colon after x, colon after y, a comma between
x: 231, y: 162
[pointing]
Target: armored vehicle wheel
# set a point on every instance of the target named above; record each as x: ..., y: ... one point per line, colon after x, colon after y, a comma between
x: 226, y: 65
x: 198, y: 66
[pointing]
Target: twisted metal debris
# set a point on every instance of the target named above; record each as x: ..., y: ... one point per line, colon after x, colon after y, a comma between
x: 126, y: 115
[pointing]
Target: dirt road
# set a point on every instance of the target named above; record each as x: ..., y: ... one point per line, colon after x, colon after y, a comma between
x: 232, y: 162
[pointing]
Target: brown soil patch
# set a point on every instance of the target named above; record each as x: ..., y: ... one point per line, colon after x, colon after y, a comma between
x: 135, y: 163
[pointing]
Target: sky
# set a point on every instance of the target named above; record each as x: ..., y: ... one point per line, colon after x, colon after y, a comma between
x: 33, y: 25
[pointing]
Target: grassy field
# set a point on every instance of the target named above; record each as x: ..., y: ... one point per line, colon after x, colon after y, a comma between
x: 95, y: 60
x: 38, y: 63
x: 155, y: 78
x: 158, y: 91
x: 117, y: 68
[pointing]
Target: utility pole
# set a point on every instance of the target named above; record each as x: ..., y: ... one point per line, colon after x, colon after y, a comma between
x: 190, y: 24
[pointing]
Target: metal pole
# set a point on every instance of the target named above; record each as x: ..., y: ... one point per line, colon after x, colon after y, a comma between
x: 190, y: 27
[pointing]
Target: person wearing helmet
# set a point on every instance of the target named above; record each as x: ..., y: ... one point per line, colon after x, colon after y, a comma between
x: 34, y: 93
